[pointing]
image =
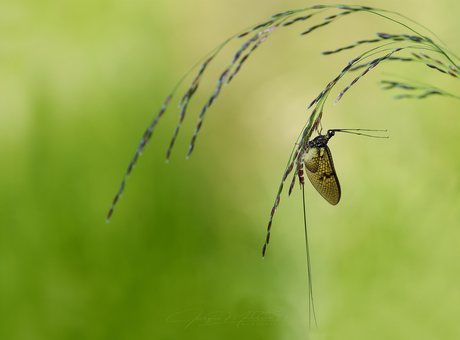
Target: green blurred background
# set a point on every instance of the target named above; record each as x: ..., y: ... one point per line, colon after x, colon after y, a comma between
x: 79, y: 83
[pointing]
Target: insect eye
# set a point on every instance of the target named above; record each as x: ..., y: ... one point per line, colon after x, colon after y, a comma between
x: 331, y: 133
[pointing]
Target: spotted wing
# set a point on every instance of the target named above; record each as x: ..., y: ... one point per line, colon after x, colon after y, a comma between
x: 321, y: 173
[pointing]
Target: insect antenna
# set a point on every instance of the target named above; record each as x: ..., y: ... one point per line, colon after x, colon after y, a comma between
x: 311, y: 304
x: 359, y: 133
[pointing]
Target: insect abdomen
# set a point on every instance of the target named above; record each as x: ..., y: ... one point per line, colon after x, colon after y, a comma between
x: 321, y: 173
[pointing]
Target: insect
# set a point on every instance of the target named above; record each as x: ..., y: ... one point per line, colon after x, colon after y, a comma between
x: 319, y: 166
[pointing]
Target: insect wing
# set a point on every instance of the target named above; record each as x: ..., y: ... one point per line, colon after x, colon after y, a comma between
x: 321, y: 173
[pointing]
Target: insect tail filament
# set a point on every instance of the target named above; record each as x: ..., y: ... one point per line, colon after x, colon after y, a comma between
x: 311, y: 304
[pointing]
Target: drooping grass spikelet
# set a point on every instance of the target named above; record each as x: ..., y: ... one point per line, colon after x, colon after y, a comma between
x: 296, y: 162
x: 183, y: 103
x: 453, y: 68
x: 427, y: 90
x: 437, y: 68
x: 315, y: 27
x: 337, y: 15
x: 277, y: 201
x: 360, y: 42
x: 381, y: 37
x: 257, y: 43
x: 186, y: 100
x: 393, y: 84
x: 205, y: 108
x: 255, y: 28
x: 374, y: 63
x: 278, y: 15
x: 422, y: 96
x: 331, y: 84
x: 291, y: 187
x: 399, y: 37
x: 140, y: 148
x: 297, y: 20
x: 357, y: 67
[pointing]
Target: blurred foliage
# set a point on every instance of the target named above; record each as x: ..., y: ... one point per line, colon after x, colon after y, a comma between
x: 80, y: 81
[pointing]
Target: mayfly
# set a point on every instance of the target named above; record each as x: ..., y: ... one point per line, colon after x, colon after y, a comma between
x: 319, y: 166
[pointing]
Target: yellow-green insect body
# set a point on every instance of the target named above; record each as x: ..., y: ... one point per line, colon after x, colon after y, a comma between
x: 320, y: 170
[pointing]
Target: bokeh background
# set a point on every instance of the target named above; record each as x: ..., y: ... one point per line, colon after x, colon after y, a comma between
x: 79, y: 83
